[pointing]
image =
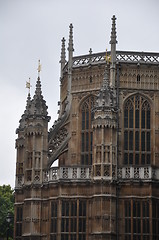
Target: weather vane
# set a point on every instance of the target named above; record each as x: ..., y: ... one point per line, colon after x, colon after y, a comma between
x: 28, y: 85
x: 107, y: 57
x: 39, y: 68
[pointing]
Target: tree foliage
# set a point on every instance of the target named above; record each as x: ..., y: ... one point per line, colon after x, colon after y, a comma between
x: 6, y: 205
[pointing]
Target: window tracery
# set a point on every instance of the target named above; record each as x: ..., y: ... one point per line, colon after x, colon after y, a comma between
x: 86, y: 130
x: 137, y: 224
x: 137, y: 131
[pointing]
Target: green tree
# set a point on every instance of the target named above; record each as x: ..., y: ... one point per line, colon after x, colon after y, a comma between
x: 6, y: 206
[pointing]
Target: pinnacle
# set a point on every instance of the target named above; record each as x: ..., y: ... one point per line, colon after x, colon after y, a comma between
x: 113, y: 31
x: 70, y: 44
x: 63, y: 53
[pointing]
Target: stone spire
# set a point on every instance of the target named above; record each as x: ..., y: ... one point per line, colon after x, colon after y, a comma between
x: 63, y: 56
x: 113, y: 43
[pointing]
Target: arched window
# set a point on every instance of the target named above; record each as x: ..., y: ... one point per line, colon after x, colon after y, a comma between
x: 137, y: 131
x: 86, y: 130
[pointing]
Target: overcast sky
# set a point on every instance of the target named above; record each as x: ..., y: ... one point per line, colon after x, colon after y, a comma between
x: 33, y: 29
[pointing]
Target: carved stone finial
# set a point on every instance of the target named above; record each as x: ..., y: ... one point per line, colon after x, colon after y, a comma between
x: 90, y: 51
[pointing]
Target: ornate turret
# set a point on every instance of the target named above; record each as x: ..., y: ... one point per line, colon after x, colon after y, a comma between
x: 33, y: 123
x: 105, y: 149
x: 113, y: 43
x: 105, y: 119
x: 105, y: 124
x: 32, y: 152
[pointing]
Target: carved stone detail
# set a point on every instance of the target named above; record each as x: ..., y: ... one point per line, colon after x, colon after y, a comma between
x: 57, y: 140
x: 106, y: 171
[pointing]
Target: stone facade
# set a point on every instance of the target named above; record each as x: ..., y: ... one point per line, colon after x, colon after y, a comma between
x: 106, y: 141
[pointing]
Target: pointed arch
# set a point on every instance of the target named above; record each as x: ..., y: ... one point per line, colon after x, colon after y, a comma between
x: 86, y: 114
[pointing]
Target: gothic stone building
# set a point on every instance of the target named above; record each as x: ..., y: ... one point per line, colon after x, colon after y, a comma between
x: 106, y: 141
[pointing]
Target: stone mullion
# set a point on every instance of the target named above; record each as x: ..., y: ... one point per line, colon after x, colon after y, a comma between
x: 69, y: 221
x: 42, y: 156
x: 77, y: 227
x: 89, y: 135
x: 33, y: 159
x: 111, y: 150
x: 131, y: 219
x: 141, y: 216
x: 128, y: 129
x: 140, y: 144
x: 87, y: 220
x: 94, y: 146
x: 59, y: 219
x: 102, y: 151
x: 133, y: 130
x: 150, y: 220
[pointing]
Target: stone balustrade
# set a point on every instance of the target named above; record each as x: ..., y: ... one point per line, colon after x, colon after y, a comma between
x: 67, y: 173
x: 142, y: 173
x: 84, y: 173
